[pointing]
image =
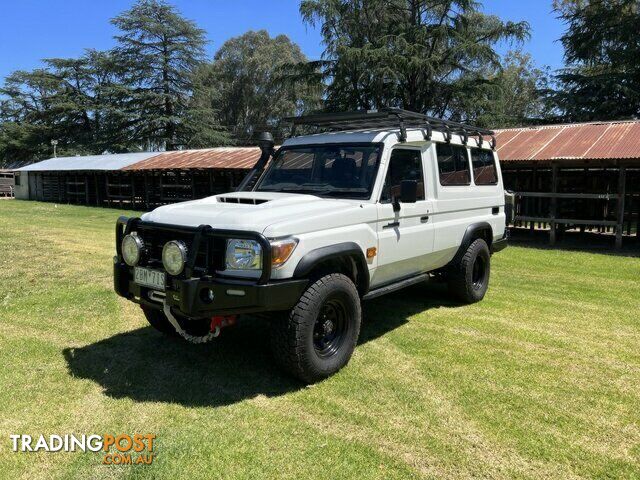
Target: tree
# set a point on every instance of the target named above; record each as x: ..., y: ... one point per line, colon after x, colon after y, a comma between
x: 422, y: 55
x: 601, y: 80
x: 159, y: 51
x: 250, y: 84
x: 72, y: 101
x: 512, y: 95
x: 24, y: 109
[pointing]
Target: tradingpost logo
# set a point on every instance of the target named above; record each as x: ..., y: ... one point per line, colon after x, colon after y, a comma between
x: 121, y: 449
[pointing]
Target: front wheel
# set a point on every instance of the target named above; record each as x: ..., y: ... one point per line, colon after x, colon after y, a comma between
x: 318, y: 336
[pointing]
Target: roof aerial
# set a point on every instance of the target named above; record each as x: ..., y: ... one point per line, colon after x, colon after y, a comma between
x: 387, y: 118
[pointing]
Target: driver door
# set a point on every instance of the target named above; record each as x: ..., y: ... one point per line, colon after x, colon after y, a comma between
x: 405, y: 238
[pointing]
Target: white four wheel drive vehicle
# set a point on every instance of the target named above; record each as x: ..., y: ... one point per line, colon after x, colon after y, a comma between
x: 380, y: 201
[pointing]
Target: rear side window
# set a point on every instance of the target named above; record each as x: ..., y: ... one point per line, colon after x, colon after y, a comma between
x: 453, y: 165
x: 484, y: 167
x: 404, y: 165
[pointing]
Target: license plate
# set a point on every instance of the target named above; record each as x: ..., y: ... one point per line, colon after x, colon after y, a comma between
x: 149, y: 278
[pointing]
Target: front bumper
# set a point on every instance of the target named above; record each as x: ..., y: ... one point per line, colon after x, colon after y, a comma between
x: 199, y: 291
x: 191, y: 297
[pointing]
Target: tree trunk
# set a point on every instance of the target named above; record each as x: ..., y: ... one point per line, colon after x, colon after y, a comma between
x: 170, y: 127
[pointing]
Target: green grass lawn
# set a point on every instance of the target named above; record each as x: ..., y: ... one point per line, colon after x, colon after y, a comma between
x: 540, y: 380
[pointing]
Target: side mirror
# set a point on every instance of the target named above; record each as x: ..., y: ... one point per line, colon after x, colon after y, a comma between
x: 409, y: 191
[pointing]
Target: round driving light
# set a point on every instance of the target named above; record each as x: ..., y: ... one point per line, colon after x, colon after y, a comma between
x: 174, y: 257
x: 132, y: 247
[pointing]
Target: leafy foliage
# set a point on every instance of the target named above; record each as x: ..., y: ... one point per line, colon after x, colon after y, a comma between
x: 511, y: 95
x: 602, y: 48
x: 422, y: 55
x: 136, y: 96
x: 250, y: 84
x: 70, y: 100
x: 160, y: 51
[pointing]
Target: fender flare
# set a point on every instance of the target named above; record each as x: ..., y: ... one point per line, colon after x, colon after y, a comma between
x: 340, y: 250
x: 473, y: 231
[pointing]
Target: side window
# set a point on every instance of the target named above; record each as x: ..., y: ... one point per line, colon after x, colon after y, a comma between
x: 453, y: 166
x: 16, y: 177
x: 404, y: 165
x: 484, y: 167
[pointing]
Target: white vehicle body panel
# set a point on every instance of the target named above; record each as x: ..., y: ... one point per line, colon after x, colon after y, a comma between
x: 414, y: 246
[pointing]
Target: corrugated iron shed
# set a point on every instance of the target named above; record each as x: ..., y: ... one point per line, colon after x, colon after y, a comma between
x: 210, y: 158
x: 581, y: 141
x: 109, y: 162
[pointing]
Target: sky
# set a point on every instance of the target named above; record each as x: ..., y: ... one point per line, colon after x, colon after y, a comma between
x: 35, y: 29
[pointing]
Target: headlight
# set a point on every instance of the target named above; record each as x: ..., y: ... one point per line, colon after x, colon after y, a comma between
x: 174, y: 257
x: 281, y: 250
x: 132, y: 247
x: 243, y: 255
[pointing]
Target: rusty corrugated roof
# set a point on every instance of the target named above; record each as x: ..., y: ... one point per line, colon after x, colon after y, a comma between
x: 218, y: 158
x: 597, y: 140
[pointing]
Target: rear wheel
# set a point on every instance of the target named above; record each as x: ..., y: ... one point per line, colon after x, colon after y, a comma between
x: 469, y: 278
x: 318, y: 336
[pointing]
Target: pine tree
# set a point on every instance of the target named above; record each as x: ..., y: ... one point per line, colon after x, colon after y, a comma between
x: 602, y: 78
x: 422, y: 55
x: 159, y: 51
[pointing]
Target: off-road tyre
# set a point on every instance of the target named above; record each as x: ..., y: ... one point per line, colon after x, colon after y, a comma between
x: 468, y: 277
x: 317, y: 337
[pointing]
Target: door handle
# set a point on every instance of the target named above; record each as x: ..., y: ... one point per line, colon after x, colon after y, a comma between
x: 424, y: 218
x: 392, y: 225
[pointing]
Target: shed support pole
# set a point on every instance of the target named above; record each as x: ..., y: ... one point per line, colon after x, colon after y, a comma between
x: 554, y: 204
x: 620, y: 210
x: 132, y: 179
x: 96, y: 179
x: 533, y: 201
x: 146, y: 190
x: 106, y: 188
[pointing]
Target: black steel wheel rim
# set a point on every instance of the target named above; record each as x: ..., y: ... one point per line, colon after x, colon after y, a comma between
x: 479, y: 272
x: 330, y: 327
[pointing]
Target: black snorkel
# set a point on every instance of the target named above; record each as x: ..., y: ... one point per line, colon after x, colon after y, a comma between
x: 266, y: 143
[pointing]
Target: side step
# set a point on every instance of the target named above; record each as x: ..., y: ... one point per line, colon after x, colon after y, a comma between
x: 407, y: 282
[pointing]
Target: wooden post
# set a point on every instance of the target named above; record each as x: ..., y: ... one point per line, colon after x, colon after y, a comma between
x: 554, y: 204
x: 132, y: 179
x: 106, y: 189
x: 533, y: 201
x: 146, y: 190
x: 96, y: 179
x: 620, y: 210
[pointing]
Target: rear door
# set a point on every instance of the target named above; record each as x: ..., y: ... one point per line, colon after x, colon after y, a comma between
x: 405, y: 238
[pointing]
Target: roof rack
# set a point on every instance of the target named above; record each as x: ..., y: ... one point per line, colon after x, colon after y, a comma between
x: 391, y: 118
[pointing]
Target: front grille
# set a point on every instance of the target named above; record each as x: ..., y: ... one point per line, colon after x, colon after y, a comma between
x: 209, y: 257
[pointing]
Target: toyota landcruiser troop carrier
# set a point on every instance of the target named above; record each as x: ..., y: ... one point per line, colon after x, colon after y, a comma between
x: 381, y: 200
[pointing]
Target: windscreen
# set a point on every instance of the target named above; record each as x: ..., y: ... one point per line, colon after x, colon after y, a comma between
x: 344, y: 170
